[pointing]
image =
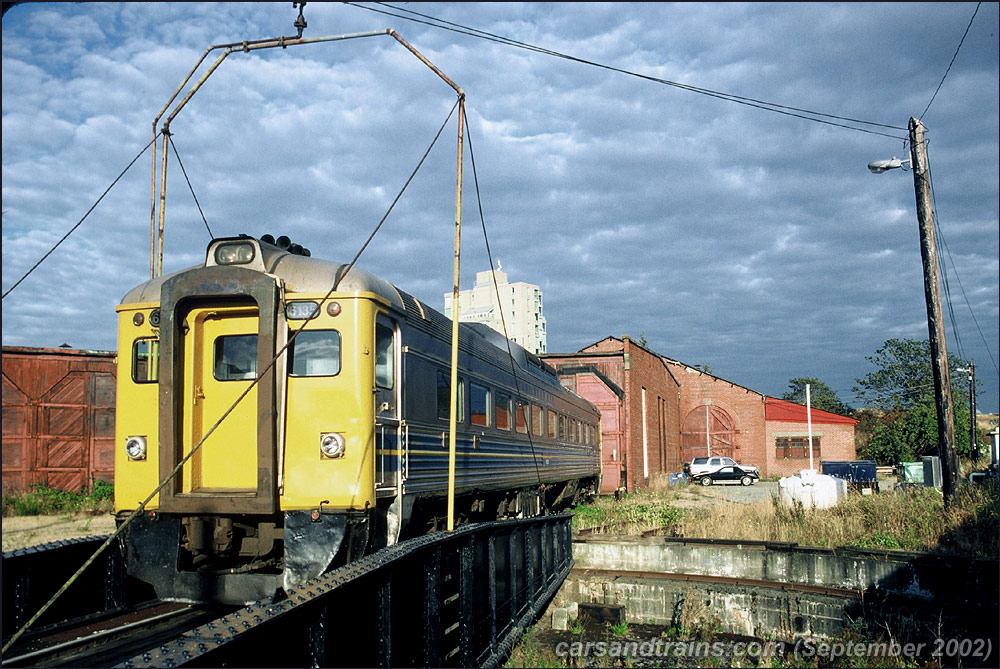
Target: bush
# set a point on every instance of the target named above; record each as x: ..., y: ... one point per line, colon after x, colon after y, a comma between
x: 42, y: 500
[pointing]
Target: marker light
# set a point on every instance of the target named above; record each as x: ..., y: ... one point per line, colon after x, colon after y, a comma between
x: 332, y: 445
x: 135, y: 448
x: 333, y: 308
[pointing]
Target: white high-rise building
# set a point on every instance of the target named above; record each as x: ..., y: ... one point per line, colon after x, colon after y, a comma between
x: 521, y: 304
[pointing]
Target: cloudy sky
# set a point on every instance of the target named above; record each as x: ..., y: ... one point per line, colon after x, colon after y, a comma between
x: 748, y: 239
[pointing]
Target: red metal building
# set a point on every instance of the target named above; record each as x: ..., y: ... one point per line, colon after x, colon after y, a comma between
x: 58, y: 417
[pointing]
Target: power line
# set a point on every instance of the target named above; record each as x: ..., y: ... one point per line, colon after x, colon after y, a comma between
x: 952, y: 60
x: 78, y: 223
x: 943, y: 270
x: 795, y: 112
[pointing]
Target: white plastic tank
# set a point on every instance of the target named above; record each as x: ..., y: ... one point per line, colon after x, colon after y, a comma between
x: 814, y: 491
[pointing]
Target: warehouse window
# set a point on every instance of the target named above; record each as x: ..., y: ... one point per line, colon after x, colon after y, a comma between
x: 795, y: 447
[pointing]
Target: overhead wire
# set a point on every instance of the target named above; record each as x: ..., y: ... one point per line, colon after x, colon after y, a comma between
x: 190, y: 187
x: 78, y: 223
x: 943, y: 271
x: 399, y: 195
x: 267, y: 368
x: 960, y: 43
x: 503, y: 320
x: 796, y: 112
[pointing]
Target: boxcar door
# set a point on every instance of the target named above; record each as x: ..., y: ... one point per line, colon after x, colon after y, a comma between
x: 221, y: 364
x: 388, y: 443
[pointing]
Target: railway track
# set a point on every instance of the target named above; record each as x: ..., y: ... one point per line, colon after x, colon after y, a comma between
x: 459, y: 598
x: 101, y: 640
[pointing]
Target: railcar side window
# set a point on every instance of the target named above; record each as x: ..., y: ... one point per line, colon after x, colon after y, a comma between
x: 553, y: 425
x: 385, y: 356
x: 503, y: 411
x: 235, y: 357
x: 537, y: 420
x: 146, y: 360
x: 521, y: 417
x: 315, y: 353
x: 479, y: 405
x: 444, y: 397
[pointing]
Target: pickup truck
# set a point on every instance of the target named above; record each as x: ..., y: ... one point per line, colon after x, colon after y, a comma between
x: 705, y: 465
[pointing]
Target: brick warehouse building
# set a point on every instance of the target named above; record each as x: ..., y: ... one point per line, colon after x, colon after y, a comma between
x: 689, y: 413
x: 638, y: 396
x: 58, y: 417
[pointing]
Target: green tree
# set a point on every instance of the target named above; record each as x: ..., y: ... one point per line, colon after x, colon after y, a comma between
x: 904, y: 378
x: 901, y: 389
x: 821, y: 396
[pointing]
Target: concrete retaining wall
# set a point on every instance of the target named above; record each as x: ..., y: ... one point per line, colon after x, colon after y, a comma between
x: 656, y: 580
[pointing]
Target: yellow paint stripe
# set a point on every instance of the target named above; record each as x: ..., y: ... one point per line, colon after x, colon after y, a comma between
x: 486, y: 455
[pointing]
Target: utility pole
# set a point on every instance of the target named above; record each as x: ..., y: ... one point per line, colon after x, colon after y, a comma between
x: 972, y: 411
x: 971, y: 371
x: 935, y: 321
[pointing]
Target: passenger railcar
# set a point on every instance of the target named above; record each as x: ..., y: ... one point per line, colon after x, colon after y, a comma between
x: 341, y: 447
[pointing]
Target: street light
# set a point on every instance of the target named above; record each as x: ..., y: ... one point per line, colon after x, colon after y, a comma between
x: 879, y: 166
x: 932, y: 295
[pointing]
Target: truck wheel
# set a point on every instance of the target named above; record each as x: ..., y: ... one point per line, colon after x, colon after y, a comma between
x: 746, y: 480
x: 705, y: 480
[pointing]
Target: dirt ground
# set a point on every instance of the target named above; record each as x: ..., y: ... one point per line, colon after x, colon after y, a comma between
x: 24, y: 531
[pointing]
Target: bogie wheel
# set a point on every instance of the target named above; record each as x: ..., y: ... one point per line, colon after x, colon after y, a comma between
x: 706, y: 480
x: 746, y: 480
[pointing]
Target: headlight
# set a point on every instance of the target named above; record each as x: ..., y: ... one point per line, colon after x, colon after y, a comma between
x: 332, y: 445
x: 135, y: 448
x: 297, y: 311
x: 238, y: 253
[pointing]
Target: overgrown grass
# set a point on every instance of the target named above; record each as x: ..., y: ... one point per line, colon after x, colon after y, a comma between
x: 913, y: 521
x: 42, y: 500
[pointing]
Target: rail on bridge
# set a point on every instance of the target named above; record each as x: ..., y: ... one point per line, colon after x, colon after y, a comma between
x: 444, y: 599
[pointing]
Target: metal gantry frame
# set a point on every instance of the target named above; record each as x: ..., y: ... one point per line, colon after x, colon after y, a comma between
x: 157, y: 223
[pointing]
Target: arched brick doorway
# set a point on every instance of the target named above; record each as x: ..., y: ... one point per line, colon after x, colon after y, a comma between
x: 701, y: 434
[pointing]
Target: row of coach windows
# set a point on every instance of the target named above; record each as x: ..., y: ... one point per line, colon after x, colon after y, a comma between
x: 500, y: 410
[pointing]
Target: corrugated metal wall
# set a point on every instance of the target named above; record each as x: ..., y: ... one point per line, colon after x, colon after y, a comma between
x: 58, y: 417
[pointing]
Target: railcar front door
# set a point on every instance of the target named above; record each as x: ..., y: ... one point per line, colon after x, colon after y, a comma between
x: 222, y: 365
x: 389, y: 448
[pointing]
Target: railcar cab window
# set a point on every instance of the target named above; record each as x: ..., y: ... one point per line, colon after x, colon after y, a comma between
x: 479, y: 405
x: 315, y: 353
x: 385, y: 356
x: 235, y: 358
x: 444, y: 397
x: 503, y: 411
x: 146, y: 360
